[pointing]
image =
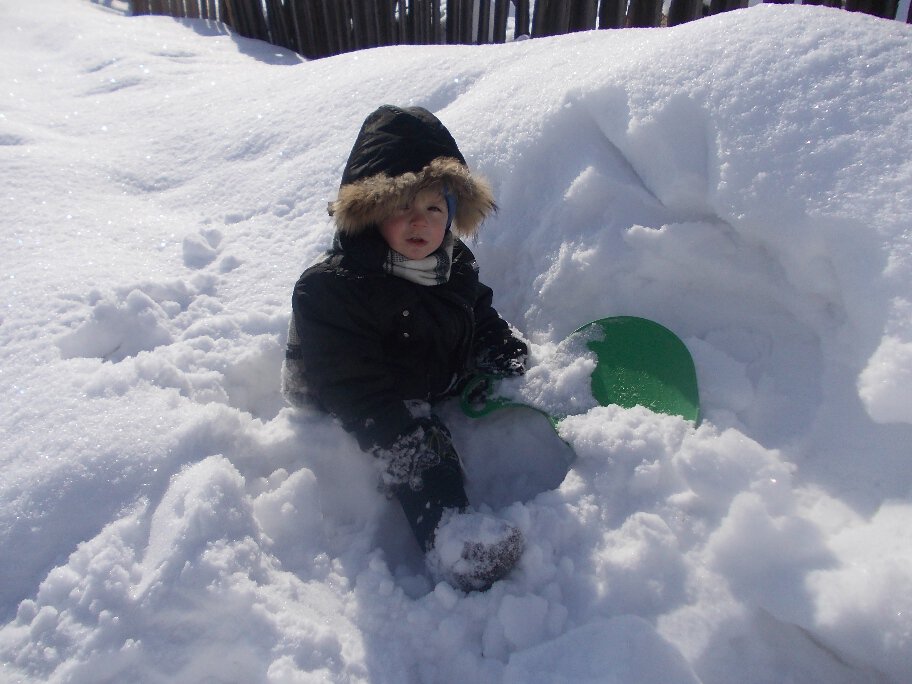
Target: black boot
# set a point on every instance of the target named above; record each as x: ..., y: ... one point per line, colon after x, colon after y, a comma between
x: 473, y: 550
x: 468, y: 550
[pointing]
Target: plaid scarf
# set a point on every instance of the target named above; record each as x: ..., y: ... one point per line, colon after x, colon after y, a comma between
x: 434, y: 269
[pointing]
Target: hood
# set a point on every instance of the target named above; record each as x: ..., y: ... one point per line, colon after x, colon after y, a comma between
x: 398, y: 152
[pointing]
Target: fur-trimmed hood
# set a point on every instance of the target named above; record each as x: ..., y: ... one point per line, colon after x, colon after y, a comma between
x: 397, y: 153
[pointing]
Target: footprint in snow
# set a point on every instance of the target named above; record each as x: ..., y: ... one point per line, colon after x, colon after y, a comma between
x: 201, y: 249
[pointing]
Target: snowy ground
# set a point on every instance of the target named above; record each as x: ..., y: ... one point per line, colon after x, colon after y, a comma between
x: 744, y: 180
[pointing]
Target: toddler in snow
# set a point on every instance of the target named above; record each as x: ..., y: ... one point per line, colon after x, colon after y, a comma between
x: 394, y: 320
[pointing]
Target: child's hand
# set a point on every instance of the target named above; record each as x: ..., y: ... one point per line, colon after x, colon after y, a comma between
x: 426, y: 444
x: 506, y: 359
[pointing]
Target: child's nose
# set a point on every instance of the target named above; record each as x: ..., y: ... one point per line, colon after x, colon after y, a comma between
x: 418, y: 217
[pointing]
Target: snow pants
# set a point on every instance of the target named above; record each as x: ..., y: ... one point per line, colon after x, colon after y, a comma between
x: 443, y: 488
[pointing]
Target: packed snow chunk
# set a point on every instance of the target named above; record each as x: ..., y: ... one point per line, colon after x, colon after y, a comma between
x: 718, y: 466
x: 623, y: 650
x: 119, y: 329
x: 105, y: 615
x: 759, y: 643
x: 885, y: 385
x: 289, y: 514
x: 199, y: 249
x: 640, y: 566
x: 863, y: 601
x: 613, y: 435
x: 523, y: 619
x: 80, y: 606
x: 767, y: 557
x: 204, y: 503
x: 123, y: 596
x: 558, y: 380
x: 284, y: 670
x: 670, y: 149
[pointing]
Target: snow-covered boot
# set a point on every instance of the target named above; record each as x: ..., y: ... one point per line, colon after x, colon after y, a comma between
x: 474, y: 550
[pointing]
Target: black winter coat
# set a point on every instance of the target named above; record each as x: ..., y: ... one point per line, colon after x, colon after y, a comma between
x: 369, y: 341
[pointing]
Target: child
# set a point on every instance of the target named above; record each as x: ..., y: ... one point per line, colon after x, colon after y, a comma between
x: 394, y: 319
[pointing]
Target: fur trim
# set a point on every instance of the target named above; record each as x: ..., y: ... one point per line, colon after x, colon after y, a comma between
x: 370, y: 200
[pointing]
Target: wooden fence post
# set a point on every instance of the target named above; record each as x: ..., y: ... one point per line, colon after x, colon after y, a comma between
x: 321, y: 39
x: 467, y: 13
x: 437, y: 18
x: 358, y: 11
x: 382, y: 22
x: 426, y: 20
x: 501, y: 12
x: 342, y: 20
x: 612, y: 14
x: 682, y: 11
x: 414, y: 27
x: 878, y: 8
x: 256, y: 20
x: 277, y: 25
x: 451, y: 14
x: 325, y: 41
x: 717, y: 6
x: 522, y: 18
x: 551, y: 18
x: 247, y: 18
x: 538, y: 17
x: 583, y: 15
x: 645, y: 13
x: 422, y: 9
x: 298, y: 10
x: 207, y: 9
x: 484, y: 22
x: 374, y: 18
x: 192, y: 9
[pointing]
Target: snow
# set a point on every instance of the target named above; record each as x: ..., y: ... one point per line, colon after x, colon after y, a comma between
x: 745, y: 180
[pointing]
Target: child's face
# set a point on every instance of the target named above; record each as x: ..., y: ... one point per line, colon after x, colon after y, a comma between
x: 416, y: 230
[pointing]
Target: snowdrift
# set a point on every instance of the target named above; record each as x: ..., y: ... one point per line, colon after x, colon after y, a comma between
x: 745, y: 180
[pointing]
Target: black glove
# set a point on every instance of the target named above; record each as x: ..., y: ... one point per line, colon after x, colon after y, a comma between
x: 504, y: 358
x: 425, y: 444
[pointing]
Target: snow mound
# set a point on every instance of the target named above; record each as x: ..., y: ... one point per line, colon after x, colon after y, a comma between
x: 743, y: 180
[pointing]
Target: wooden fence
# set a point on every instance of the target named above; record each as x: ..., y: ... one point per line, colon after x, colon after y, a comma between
x: 319, y: 28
